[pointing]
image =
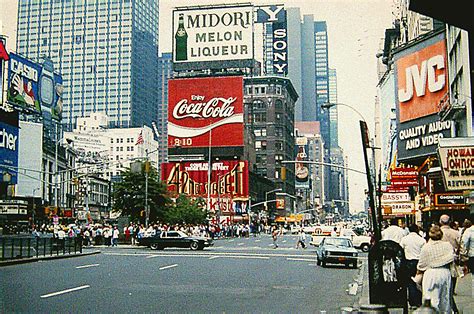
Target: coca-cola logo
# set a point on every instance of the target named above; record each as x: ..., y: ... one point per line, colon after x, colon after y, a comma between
x: 217, y: 107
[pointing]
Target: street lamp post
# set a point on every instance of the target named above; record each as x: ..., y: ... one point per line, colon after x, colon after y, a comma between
x: 266, y: 196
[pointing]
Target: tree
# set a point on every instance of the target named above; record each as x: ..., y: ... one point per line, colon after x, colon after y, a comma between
x: 129, y: 195
x: 186, y: 210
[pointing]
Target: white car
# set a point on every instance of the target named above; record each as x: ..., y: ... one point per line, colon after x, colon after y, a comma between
x: 359, y: 241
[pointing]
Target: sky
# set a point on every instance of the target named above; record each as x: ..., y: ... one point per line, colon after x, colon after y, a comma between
x: 355, y: 29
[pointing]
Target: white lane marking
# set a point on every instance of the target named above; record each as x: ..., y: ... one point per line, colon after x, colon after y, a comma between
x: 152, y: 256
x: 87, y: 266
x: 247, y: 257
x: 169, y: 266
x: 231, y: 240
x: 241, y: 243
x: 205, y: 254
x: 258, y: 240
x: 301, y: 259
x: 312, y: 264
x: 270, y: 245
x: 214, y: 257
x: 64, y: 291
x: 284, y: 241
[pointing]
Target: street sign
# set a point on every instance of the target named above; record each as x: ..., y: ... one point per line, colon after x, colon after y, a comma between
x: 395, y: 197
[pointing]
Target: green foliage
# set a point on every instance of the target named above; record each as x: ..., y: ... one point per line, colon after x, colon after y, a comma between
x: 129, y: 195
x: 186, y: 210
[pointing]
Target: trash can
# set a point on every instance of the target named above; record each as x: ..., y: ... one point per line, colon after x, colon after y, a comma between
x: 388, y: 275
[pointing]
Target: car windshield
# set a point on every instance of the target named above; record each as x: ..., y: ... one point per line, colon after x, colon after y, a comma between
x: 338, y: 242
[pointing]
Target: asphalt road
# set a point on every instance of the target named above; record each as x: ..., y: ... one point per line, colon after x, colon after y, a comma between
x: 235, y: 276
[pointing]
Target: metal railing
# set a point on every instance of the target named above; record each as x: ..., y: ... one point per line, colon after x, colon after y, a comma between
x: 28, y: 247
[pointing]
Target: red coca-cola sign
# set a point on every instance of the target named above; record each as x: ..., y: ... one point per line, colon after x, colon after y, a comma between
x: 205, y: 112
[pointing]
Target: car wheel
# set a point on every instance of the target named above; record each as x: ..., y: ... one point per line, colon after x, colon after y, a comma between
x: 154, y: 246
x: 365, y: 247
x: 194, y: 246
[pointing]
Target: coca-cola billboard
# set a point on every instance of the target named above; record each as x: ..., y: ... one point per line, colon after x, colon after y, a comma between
x: 205, y: 112
x: 229, y: 184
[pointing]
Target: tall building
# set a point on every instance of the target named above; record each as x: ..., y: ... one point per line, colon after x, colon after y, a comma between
x: 294, y: 57
x: 333, y: 110
x: 165, y: 72
x: 322, y: 78
x: 308, y: 70
x: 106, y: 51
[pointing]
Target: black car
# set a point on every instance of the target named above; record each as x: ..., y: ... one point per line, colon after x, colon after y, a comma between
x: 177, y: 239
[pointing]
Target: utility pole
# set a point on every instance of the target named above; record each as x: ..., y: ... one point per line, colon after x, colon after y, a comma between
x: 56, y: 164
x: 209, y: 171
x: 147, y: 169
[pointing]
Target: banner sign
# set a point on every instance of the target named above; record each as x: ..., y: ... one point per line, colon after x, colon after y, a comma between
x: 457, y: 165
x: 420, y: 137
x: 450, y: 200
x: 205, y: 112
x: 213, y: 33
x: 9, y: 152
x: 270, y: 14
x: 301, y: 169
x: 404, y: 183
x: 3, y: 57
x: 421, y: 72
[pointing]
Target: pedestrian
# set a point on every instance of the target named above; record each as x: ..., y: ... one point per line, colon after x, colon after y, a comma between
x: 106, y: 235
x: 115, y: 236
x: 468, y: 244
x: 453, y: 237
x: 412, y: 245
x: 334, y: 232
x: 275, y: 234
x: 436, y: 258
x: 393, y: 232
x: 301, y: 239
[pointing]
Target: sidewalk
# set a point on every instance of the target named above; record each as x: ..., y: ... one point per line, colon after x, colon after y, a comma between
x: 464, y: 293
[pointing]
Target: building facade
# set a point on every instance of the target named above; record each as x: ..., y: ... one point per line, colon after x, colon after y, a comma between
x: 165, y: 73
x: 106, y: 51
x: 269, y: 114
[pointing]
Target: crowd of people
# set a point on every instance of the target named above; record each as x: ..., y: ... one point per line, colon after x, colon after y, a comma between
x: 436, y: 258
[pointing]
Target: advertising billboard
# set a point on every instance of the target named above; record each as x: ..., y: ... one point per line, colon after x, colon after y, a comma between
x: 33, y: 87
x: 212, y: 36
x: 301, y: 169
x: 229, y: 184
x: 276, y: 15
x: 457, y: 164
x: 30, y: 156
x: 421, y: 72
x: 205, y: 112
x: 420, y: 137
x: 9, y: 152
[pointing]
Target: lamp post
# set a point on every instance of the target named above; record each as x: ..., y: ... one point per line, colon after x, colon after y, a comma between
x: 266, y: 196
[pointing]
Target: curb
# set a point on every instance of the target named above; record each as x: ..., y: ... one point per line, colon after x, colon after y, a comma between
x: 44, y: 258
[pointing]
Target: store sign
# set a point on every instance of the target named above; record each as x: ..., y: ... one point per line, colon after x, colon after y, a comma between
x: 404, y: 183
x: 205, y: 112
x: 421, y: 72
x: 450, y: 200
x: 457, y: 165
x: 406, y: 208
x: 420, y: 137
x: 395, y: 197
x: 280, y: 203
x: 400, y: 173
x: 212, y: 33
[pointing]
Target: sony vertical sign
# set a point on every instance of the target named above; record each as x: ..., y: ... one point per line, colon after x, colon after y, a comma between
x: 276, y: 14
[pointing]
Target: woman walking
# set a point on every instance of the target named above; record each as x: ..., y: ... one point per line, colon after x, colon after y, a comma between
x: 436, y: 259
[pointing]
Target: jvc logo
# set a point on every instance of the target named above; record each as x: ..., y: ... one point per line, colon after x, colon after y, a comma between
x: 418, y: 78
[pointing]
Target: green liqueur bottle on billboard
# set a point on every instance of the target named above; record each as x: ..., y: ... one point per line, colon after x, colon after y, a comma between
x: 181, y: 40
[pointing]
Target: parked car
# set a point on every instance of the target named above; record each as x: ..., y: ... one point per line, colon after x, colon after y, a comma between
x: 336, y: 250
x: 177, y: 239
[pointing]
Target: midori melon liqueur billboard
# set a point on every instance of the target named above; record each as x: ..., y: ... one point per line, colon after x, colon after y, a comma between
x: 205, y: 112
x: 207, y: 36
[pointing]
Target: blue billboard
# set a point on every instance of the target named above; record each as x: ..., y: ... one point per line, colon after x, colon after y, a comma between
x: 8, y: 152
x: 34, y: 88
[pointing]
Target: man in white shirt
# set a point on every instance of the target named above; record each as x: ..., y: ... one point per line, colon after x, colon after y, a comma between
x: 393, y: 232
x: 412, y: 244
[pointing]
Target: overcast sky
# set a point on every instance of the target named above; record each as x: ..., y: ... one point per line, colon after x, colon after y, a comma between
x: 355, y: 28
